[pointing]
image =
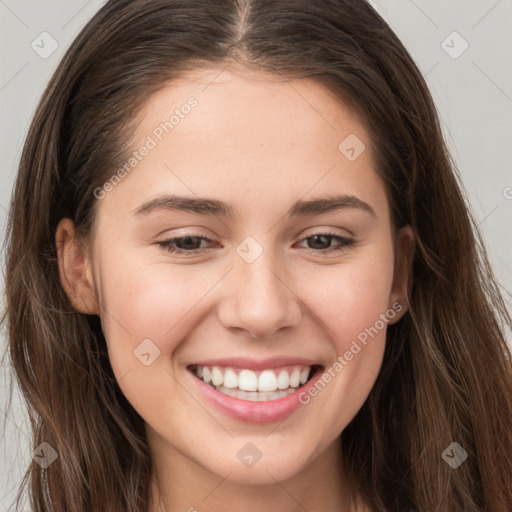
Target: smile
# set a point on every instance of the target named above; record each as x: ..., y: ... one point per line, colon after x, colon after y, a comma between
x: 254, y: 391
x: 245, y: 384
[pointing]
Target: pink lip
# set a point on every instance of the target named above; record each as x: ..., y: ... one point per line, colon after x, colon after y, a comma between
x: 255, y: 412
x: 253, y: 364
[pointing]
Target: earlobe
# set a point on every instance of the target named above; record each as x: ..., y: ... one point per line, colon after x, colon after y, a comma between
x: 75, y: 269
x: 402, y: 278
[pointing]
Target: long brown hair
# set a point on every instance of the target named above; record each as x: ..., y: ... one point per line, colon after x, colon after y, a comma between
x: 447, y: 370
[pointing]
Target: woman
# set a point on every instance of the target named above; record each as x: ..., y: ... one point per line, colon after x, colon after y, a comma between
x: 241, y: 273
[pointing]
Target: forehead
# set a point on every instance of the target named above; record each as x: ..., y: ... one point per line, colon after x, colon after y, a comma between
x: 248, y: 137
x: 250, y: 106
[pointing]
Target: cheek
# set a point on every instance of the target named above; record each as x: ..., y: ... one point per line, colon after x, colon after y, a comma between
x: 353, y: 303
x: 148, y: 308
x: 351, y: 296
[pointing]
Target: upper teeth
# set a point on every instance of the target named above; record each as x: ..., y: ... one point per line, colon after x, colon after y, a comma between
x: 248, y: 380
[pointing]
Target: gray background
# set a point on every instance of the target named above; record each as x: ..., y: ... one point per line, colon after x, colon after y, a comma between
x: 473, y: 93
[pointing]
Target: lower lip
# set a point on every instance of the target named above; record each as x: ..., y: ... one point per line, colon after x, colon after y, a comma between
x: 256, y: 412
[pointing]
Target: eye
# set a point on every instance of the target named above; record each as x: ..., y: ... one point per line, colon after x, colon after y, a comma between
x: 184, y: 244
x: 318, y: 243
x: 321, y: 242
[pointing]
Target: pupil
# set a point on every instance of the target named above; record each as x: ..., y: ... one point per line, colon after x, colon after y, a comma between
x: 317, y: 237
x: 182, y: 242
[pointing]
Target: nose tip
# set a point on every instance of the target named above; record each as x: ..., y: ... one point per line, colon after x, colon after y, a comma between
x: 259, y: 301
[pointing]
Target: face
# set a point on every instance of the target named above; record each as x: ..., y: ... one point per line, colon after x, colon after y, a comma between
x: 287, y: 272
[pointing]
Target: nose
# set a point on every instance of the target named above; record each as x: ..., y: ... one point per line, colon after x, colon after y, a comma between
x: 259, y: 299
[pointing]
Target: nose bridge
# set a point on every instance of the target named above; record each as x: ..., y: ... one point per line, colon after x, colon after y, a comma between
x: 260, y: 300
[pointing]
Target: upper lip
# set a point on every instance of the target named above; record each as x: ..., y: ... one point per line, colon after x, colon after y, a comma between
x: 257, y: 364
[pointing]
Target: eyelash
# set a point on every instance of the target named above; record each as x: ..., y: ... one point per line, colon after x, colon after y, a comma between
x: 344, y: 244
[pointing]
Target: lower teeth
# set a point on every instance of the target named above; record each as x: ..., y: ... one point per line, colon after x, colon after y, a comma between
x: 254, y: 396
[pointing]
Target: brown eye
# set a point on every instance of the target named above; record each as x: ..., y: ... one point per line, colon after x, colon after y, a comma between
x: 321, y: 242
x: 184, y: 244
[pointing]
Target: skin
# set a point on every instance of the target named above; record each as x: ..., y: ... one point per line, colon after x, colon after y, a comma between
x: 258, y: 144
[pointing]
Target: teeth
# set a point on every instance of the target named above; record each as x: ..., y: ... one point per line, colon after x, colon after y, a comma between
x: 267, y: 381
x: 247, y: 380
x: 217, y: 377
x: 240, y: 381
x: 304, y: 376
x: 295, y: 378
x: 230, y: 379
x: 207, y: 376
x: 283, y: 380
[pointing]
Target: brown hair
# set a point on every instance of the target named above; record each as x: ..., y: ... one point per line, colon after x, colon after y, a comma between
x: 447, y: 370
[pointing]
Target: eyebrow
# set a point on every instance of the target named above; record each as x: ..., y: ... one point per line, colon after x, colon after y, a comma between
x: 207, y: 206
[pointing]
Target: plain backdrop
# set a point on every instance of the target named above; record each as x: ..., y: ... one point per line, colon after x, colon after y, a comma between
x: 463, y: 48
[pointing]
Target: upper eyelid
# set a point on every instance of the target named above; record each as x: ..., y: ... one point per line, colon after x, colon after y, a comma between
x: 314, y: 231
x: 349, y: 240
x: 302, y: 237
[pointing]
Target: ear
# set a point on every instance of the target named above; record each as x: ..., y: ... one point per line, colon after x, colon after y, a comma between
x: 75, y: 269
x: 402, y: 278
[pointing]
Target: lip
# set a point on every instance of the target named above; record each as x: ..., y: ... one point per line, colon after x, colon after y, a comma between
x: 256, y: 412
x: 253, y: 364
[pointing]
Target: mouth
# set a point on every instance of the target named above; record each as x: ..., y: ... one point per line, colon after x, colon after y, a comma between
x: 263, y: 385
